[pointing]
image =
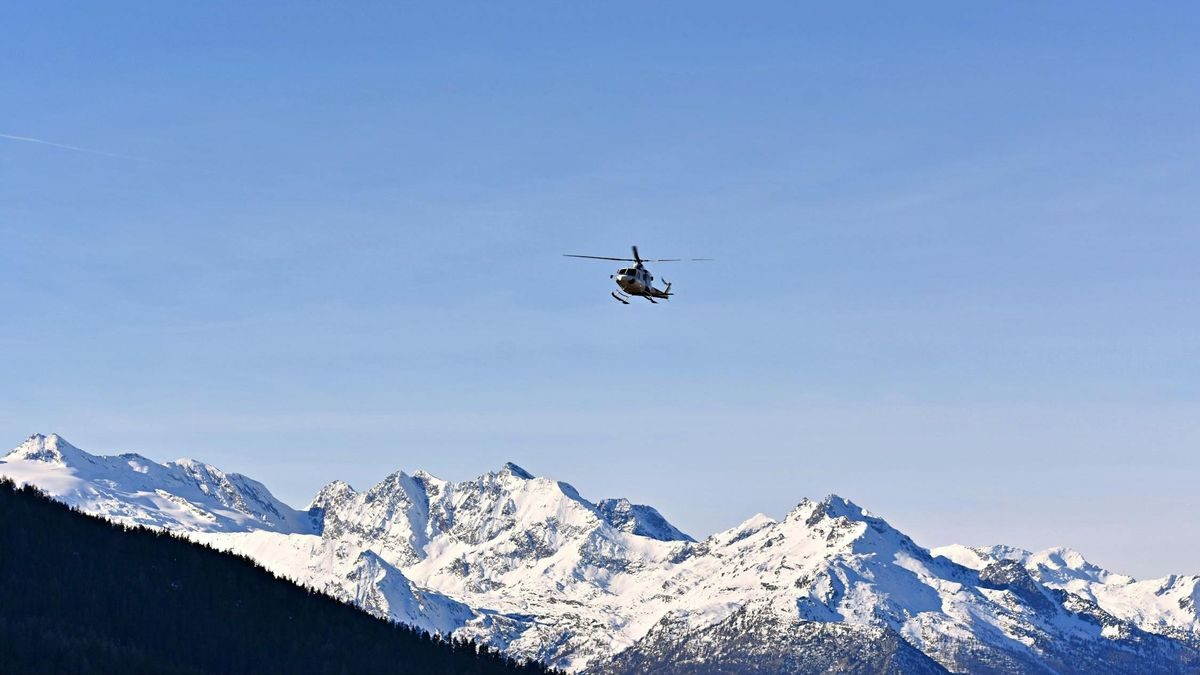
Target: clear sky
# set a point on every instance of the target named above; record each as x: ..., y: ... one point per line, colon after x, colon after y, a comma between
x: 957, y: 276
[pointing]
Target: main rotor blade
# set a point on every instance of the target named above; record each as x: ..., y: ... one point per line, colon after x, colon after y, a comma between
x: 597, y: 257
x: 678, y: 259
x: 636, y: 258
x: 602, y: 257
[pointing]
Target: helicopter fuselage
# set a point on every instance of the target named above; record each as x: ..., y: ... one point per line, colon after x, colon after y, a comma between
x: 639, y: 281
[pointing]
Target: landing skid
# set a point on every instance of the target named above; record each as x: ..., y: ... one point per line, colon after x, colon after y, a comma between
x: 623, y: 298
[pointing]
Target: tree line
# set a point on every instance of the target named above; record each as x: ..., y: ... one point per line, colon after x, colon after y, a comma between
x: 79, y: 594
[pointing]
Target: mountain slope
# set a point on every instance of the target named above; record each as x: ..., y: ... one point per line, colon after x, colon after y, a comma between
x: 85, y: 596
x: 1165, y: 606
x: 184, y: 495
x: 528, y: 565
x: 832, y: 562
x: 781, y: 645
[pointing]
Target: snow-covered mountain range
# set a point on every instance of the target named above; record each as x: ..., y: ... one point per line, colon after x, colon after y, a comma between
x: 528, y: 564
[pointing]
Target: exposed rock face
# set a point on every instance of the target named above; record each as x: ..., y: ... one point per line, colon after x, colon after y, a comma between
x: 763, y: 643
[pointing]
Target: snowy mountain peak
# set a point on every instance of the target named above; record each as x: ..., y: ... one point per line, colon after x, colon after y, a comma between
x: 744, y: 530
x: 832, y: 507
x: 979, y: 557
x: 1062, y: 566
x: 39, y: 448
x: 836, y: 506
x: 841, y: 525
x: 335, y: 492
x: 840, y: 507
x: 1063, y: 558
x: 395, y: 486
x: 1065, y: 565
x: 184, y: 495
x: 639, y: 519
x: 511, y: 469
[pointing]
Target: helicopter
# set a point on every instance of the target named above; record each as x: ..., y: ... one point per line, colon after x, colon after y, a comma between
x: 637, y: 280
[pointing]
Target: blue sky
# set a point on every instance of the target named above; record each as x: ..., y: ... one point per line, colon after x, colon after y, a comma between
x: 957, y: 253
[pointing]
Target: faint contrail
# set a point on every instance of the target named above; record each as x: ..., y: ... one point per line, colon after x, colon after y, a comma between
x: 74, y: 148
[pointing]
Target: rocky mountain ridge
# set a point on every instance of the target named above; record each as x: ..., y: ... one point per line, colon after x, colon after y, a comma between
x: 529, y: 565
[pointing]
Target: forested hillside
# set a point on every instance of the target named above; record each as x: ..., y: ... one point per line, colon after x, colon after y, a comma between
x: 81, y: 595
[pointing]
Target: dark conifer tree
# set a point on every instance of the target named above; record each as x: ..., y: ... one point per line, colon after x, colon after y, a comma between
x: 82, y: 595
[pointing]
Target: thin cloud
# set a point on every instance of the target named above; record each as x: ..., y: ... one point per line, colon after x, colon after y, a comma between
x: 73, y: 148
